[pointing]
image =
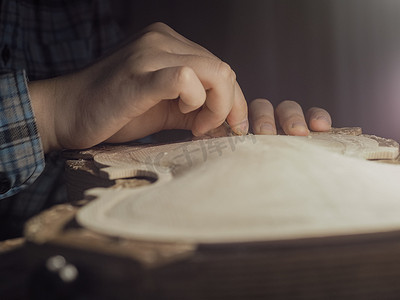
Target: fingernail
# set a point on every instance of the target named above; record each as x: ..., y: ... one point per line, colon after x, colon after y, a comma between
x: 267, y: 129
x: 299, y: 126
x: 242, y: 128
x: 323, y: 118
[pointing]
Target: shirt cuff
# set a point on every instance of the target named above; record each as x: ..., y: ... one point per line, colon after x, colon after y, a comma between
x: 21, y: 151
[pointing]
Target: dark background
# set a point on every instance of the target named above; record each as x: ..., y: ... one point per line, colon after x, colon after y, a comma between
x: 342, y: 55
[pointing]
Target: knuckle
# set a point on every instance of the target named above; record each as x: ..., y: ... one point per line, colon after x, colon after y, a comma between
x: 183, y: 75
x: 233, y: 74
x: 225, y: 72
x: 152, y: 37
x: 158, y: 26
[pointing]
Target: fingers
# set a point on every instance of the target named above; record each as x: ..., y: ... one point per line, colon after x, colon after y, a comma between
x: 262, y: 119
x: 219, y: 81
x: 291, y: 118
x: 224, y: 97
x: 238, y: 116
x: 318, y: 119
x: 172, y: 83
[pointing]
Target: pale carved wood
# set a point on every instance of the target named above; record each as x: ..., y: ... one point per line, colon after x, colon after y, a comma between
x: 195, y: 190
x: 353, y: 266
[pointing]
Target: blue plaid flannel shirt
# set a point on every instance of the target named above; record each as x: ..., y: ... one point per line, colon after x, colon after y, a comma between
x: 40, y: 39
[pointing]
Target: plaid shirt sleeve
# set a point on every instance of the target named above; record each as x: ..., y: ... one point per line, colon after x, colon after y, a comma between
x: 46, y: 39
x: 21, y: 155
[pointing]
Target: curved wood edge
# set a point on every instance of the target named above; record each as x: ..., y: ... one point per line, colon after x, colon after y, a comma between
x: 57, y: 226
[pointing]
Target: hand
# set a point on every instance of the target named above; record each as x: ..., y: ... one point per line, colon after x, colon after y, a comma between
x: 288, y: 116
x: 159, y: 81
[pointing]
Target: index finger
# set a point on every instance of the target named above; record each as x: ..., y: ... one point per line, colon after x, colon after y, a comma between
x: 238, y: 116
x: 224, y: 100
